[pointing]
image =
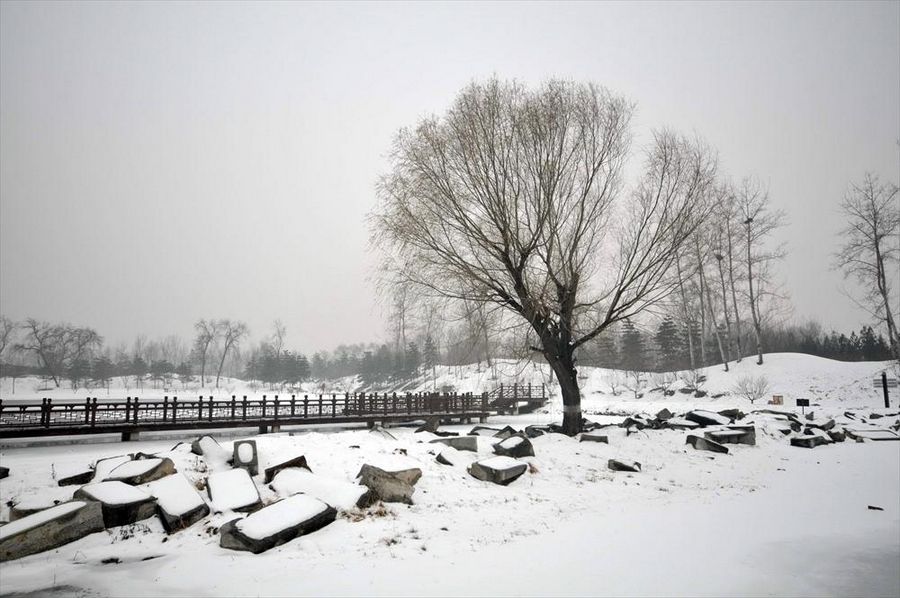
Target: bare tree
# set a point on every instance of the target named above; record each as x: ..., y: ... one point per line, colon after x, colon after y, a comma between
x: 511, y: 199
x: 760, y: 221
x: 56, y: 346
x: 279, y: 333
x: 232, y: 334
x: 870, y: 251
x: 7, y: 332
x: 207, y: 332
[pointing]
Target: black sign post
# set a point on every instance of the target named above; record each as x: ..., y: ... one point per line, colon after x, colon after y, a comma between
x: 887, y: 401
x: 803, y: 404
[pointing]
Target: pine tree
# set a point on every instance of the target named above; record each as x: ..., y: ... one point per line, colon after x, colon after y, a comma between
x: 632, y: 347
x: 669, y: 344
x: 102, y: 372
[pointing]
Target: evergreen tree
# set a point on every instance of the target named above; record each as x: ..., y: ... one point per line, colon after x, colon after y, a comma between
x: 429, y: 356
x: 138, y: 370
x: 103, y: 371
x: 632, y: 347
x: 412, y: 360
x: 669, y: 344
x: 78, y: 371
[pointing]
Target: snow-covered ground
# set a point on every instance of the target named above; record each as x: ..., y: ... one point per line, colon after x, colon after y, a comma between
x: 770, y: 519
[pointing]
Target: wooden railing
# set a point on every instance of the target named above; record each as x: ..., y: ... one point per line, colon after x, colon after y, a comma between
x: 94, y: 416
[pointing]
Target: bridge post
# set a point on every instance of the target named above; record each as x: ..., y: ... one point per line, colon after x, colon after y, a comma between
x: 484, y: 407
x: 93, y: 411
x: 293, y: 405
x: 211, y: 402
x: 87, y: 411
x: 200, y: 408
x: 233, y: 405
x: 244, y: 409
x: 276, y: 408
x: 165, y: 408
x: 305, y: 405
x: 333, y: 405
x: 127, y: 409
x: 134, y: 417
x: 131, y: 435
x: 263, y: 408
x: 174, y: 409
x: 48, y: 408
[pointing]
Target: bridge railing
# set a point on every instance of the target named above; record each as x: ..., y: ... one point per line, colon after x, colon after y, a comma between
x: 147, y: 413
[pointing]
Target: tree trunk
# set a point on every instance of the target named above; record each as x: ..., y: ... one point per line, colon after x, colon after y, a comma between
x: 564, y: 368
x: 728, y: 337
x: 754, y: 308
x: 712, y: 315
x: 737, y: 315
x: 703, y: 361
x: 687, y: 318
x: 221, y: 365
x: 893, y: 337
x: 203, y: 370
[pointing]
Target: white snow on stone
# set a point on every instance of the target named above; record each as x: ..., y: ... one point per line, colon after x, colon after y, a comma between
x: 500, y: 463
x: 232, y: 489
x: 393, y: 463
x: 175, y: 494
x: 281, y: 515
x: 133, y: 468
x: 721, y: 419
x: 32, y: 521
x: 115, y: 493
x: 512, y: 442
x: 337, y: 493
x: 245, y: 452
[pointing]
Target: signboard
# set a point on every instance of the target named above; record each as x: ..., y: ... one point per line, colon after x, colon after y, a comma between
x: 891, y: 382
x: 802, y: 402
x: 777, y: 400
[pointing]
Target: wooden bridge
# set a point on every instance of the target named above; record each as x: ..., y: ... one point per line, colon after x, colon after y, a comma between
x: 517, y: 398
x: 134, y: 415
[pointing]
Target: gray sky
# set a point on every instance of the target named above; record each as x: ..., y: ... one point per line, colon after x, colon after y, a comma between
x: 165, y: 162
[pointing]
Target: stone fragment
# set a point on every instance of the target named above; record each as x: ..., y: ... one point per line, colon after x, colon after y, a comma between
x: 505, y: 432
x: 300, y: 462
x: 483, y: 431
x: 233, y: 490
x: 535, y: 431
x: 431, y: 425
x: 879, y: 434
x: 50, y: 529
x: 664, y: 415
x: 76, y: 479
x: 122, y: 504
x: 29, y: 506
x: 707, y: 418
x: 276, y: 524
x: 498, y: 470
x: 705, y: 444
x: 809, y: 441
x: 593, y: 437
x: 516, y: 446
x: 617, y: 465
x: 680, y: 423
x: 460, y: 443
x: 178, y: 503
x: 141, y: 471
x: 733, y: 435
x: 732, y: 414
x: 245, y: 456
x: 837, y: 435
x: 388, y: 482
x: 340, y: 494
x: 4, y: 472
x: 380, y: 431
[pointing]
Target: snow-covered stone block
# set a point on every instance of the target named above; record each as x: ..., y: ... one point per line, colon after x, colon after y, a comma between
x: 141, y: 471
x: 733, y: 435
x: 178, y: 503
x: 233, y: 490
x: 706, y: 444
x: 460, y: 443
x: 296, y: 462
x: 878, y: 434
x: 4, y: 472
x: 617, y: 465
x: 245, y: 456
x: 505, y: 432
x: 810, y: 441
x: 593, y: 437
x: 707, y: 418
x: 455, y: 458
x: 681, y: 423
x: 76, y: 478
x: 516, y: 446
x: 122, y: 504
x: 276, y: 524
x: 337, y: 493
x: 483, y: 431
x: 30, y: 505
x: 50, y: 529
x: 498, y: 470
x: 389, y: 479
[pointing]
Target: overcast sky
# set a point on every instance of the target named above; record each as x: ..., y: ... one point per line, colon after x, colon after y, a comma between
x: 163, y: 162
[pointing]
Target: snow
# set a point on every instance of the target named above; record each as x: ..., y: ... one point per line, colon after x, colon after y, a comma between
x: 115, y: 493
x: 394, y: 463
x: 232, y: 489
x: 281, y: 515
x: 36, y: 519
x: 567, y: 527
x: 512, y: 442
x: 133, y: 468
x: 337, y: 493
x: 245, y: 452
x: 175, y: 494
x: 501, y: 463
x: 721, y: 419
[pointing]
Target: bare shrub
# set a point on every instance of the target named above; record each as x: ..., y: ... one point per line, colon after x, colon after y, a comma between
x: 752, y: 388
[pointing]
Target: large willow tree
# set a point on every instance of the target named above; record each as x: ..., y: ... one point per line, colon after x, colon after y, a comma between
x: 515, y: 197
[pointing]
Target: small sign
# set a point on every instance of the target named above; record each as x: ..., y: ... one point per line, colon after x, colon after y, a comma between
x: 777, y: 400
x: 802, y: 402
